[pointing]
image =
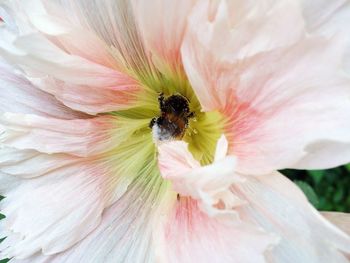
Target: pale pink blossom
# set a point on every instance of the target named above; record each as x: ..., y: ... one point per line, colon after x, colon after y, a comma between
x: 87, y: 178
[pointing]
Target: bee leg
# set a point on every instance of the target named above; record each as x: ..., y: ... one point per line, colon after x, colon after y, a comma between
x: 186, y: 123
x: 153, y: 121
x: 191, y: 115
x: 161, y: 101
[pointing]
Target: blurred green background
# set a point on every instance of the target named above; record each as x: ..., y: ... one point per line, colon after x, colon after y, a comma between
x: 327, y: 190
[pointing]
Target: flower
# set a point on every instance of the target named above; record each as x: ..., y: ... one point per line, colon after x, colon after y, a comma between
x: 90, y: 97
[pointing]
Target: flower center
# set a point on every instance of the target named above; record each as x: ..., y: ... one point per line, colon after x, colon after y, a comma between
x: 168, y: 109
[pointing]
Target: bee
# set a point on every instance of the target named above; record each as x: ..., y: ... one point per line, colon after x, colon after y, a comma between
x: 174, y: 118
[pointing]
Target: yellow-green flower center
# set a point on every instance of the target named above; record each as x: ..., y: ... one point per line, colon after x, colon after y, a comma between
x: 203, y: 130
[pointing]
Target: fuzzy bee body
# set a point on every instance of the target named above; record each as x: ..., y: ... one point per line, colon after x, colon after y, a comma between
x: 173, y: 121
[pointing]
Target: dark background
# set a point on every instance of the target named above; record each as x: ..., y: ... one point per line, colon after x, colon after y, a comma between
x: 327, y: 190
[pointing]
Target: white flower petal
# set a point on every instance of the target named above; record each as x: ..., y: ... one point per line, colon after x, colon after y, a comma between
x: 210, y: 184
x: 278, y: 206
x: 65, y: 58
x: 67, y: 30
x: 221, y: 148
x: 7, y: 182
x: 214, y: 41
x: 287, y: 106
x: 80, y: 137
x: 289, y: 121
x: 329, y: 18
x: 125, y: 232
x: 53, y: 212
x: 162, y: 24
x: 187, y: 234
x: 24, y: 163
x: 341, y: 220
x: 91, y: 100
x: 318, y: 12
x: 48, y: 210
x: 114, y: 23
x: 19, y: 95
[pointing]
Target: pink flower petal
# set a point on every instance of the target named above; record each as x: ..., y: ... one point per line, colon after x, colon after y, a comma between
x: 66, y: 30
x: 190, y: 235
x: 64, y: 58
x: 203, y: 223
x: 53, y: 212
x: 56, y: 200
x: 81, y: 137
x: 70, y: 198
x: 131, y: 232
x: 288, y: 121
x: 271, y: 202
x: 18, y: 95
x: 162, y: 24
x: 125, y: 231
x: 114, y: 23
x: 214, y: 41
x: 91, y: 100
x: 209, y: 185
x: 24, y: 163
x: 281, y: 109
x: 278, y: 206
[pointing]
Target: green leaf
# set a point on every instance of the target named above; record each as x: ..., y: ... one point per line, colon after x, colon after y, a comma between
x: 347, y: 167
x: 317, y: 175
x: 1, y: 215
x: 309, y: 192
x: 338, y: 196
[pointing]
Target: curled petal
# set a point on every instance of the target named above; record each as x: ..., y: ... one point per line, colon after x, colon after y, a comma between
x: 221, y: 148
x: 208, y: 184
